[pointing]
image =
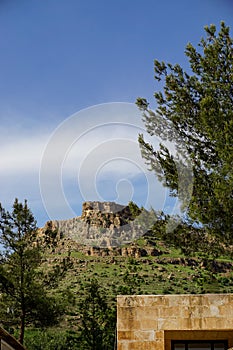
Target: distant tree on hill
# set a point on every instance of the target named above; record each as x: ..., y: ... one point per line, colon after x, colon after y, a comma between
x: 23, y: 297
x: 196, y: 108
x: 134, y: 209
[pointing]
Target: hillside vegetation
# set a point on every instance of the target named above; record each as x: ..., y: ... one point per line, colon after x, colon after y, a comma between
x: 85, y: 280
x: 184, y: 261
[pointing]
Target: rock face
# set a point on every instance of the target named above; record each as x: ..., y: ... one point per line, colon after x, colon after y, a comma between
x: 102, y: 224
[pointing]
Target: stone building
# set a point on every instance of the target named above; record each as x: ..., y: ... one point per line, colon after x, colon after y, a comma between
x: 175, y: 322
x: 8, y: 342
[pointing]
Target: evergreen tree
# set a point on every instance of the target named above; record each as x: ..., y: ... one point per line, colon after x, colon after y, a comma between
x: 97, y: 320
x: 195, y: 108
x: 23, y: 297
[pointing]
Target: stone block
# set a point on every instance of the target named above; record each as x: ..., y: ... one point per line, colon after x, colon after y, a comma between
x: 148, y: 324
x: 168, y: 323
x: 122, y: 346
x: 129, y: 324
x: 153, y: 321
x: 144, y: 335
x: 146, y: 312
x: 141, y: 345
x: 125, y: 335
x: 127, y: 312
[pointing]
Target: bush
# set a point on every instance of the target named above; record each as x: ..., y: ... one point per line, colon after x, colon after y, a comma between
x: 45, y: 340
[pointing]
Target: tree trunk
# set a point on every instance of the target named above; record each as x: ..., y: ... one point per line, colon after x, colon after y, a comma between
x: 22, y: 327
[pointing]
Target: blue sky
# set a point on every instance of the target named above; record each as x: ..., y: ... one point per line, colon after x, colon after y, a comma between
x: 59, y: 59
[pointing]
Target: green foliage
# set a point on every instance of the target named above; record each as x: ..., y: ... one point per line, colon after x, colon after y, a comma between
x: 194, y: 110
x: 97, y: 328
x: 192, y: 241
x: 23, y: 297
x: 131, y: 279
x: 41, y: 339
x: 134, y: 209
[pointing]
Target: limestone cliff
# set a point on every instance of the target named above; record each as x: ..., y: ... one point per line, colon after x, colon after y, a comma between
x: 102, y: 224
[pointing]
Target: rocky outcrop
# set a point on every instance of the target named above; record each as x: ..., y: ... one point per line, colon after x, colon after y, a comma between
x: 103, y: 225
x: 106, y: 214
x: 129, y: 251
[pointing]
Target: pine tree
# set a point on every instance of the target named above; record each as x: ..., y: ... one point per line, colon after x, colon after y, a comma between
x: 97, y: 319
x: 195, y: 108
x: 23, y: 297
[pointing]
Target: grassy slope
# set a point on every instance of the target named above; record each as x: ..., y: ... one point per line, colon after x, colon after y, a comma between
x: 171, y: 272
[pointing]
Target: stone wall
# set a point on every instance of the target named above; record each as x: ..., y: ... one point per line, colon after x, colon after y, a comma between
x: 150, y: 322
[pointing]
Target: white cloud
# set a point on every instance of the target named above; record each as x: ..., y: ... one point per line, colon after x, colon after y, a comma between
x: 93, y: 155
x: 22, y: 155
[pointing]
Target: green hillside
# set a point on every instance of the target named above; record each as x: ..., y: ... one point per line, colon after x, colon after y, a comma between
x: 170, y: 271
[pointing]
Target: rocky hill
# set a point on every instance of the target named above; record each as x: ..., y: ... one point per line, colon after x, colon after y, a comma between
x: 81, y: 249
x: 102, y: 229
x: 107, y: 229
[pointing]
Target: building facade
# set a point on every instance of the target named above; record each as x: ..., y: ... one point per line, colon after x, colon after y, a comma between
x: 175, y: 322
